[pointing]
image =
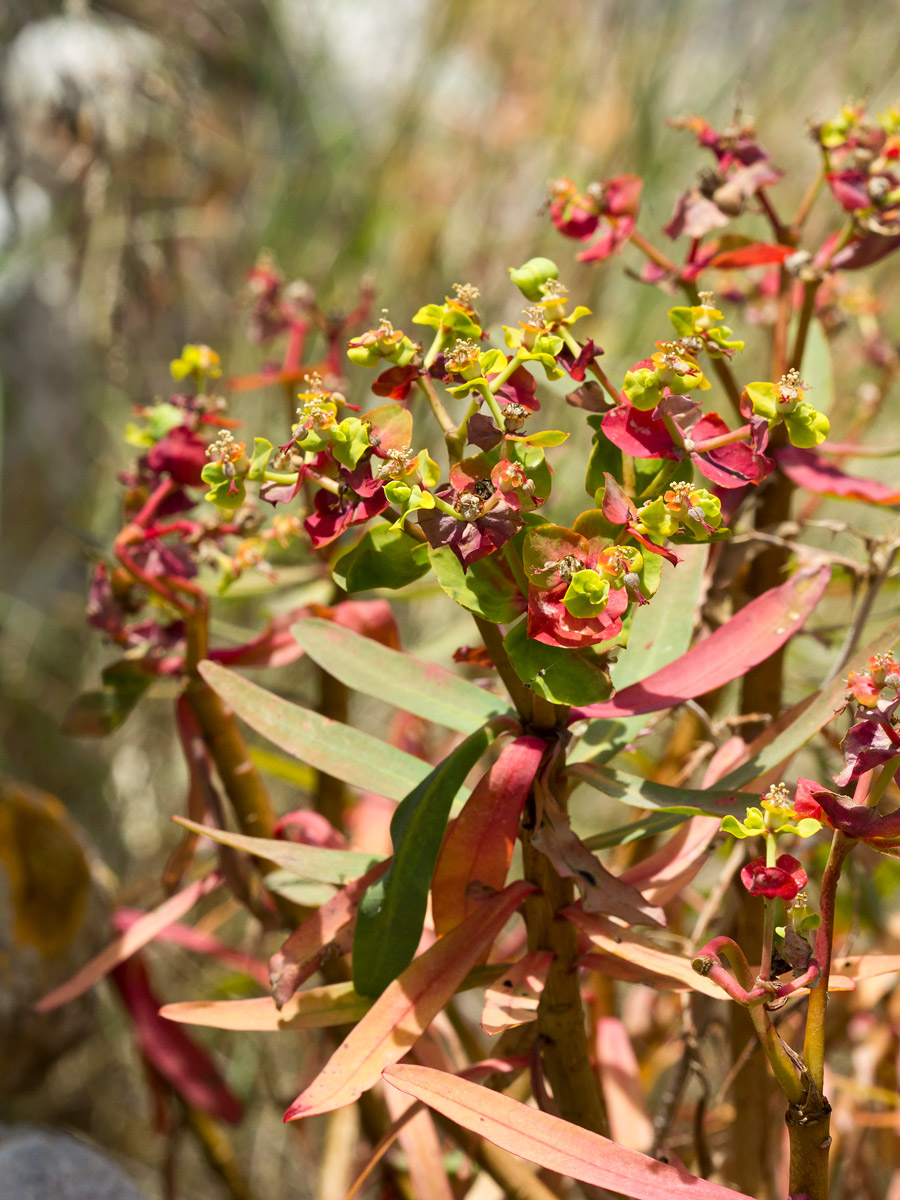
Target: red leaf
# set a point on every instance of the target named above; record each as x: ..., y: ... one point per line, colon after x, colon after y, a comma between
x: 757, y: 254
x: 142, y: 931
x: 551, y: 1142
x: 170, y: 1051
x: 478, y: 846
x: 756, y: 632
x: 406, y: 1007
x: 809, y: 470
x: 620, y: 1077
x: 616, y: 506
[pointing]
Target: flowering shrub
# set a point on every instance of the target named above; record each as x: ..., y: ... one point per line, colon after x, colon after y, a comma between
x: 360, y: 494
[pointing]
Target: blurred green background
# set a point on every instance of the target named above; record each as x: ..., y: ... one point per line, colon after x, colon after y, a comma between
x: 150, y: 148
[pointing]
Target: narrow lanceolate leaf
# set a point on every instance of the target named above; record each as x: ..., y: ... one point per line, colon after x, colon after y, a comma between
x: 317, y: 864
x: 642, y: 959
x: 348, y: 754
x: 405, y: 1009
x: 317, y: 1008
x: 756, y: 632
x: 478, y: 846
x: 551, y: 1142
x: 327, y: 933
x: 392, y: 912
x: 426, y: 689
x: 140, y: 932
x: 811, y: 471
x: 644, y: 793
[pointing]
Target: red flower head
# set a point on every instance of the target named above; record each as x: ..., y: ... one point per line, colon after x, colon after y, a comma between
x: 784, y: 880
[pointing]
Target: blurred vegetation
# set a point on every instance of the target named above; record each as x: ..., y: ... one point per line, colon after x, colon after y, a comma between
x: 148, y: 150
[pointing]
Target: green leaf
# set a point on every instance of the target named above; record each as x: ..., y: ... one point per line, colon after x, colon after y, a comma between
x: 315, y: 864
x: 661, y: 630
x: 558, y: 675
x: 605, y: 459
x: 635, y: 831
x: 486, y: 589
x: 425, y: 689
x: 644, y: 793
x: 384, y: 558
x: 348, y: 754
x: 96, y: 714
x: 299, y: 891
x: 392, y: 910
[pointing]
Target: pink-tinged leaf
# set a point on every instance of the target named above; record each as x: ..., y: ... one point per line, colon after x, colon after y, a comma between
x: 170, y: 1051
x: 661, y: 875
x: 811, y: 471
x: 373, y: 619
x: 659, y: 967
x: 274, y: 647
x: 478, y: 1070
x: 865, y: 966
x: 600, y: 889
x: 420, y: 1143
x: 758, y: 254
x: 551, y: 1142
x: 616, y: 506
x: 142, y: 931
x: 406, y: 1007
x: 328, y: 933
x: 513, y: 999
x: 864, y: 251
x: 197, y: 941
x: 620, y: 1078
x: 317, y: 1008
x: 750, y: 637
x: 478, y: 846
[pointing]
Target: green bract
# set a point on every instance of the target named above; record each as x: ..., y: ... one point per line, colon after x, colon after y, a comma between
x: 349, y: 441
x: 586, y: 595
x: 642, y: 387
x: 225, y: 491
x: 530, y: 277
x: 755, y: 825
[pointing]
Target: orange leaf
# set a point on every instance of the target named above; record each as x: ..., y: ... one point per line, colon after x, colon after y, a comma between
x: 478, y: 846
x: 642, y: 958
x: 406, y: 1007
x: 551, y: 1142
x: 513, y: 999
x: 316, y: 1008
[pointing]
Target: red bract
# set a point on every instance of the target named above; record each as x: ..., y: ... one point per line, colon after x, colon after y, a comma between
x: 783, y: 881
x: 646, y: 435
x: 551, y: 554
x: 576, y: 215
x: 471, y: 539
x: 360, y: 499
x: 855, y: 820
x: 181, y: 454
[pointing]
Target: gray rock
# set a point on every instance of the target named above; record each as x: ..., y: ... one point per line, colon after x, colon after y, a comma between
x: 45, y: 1164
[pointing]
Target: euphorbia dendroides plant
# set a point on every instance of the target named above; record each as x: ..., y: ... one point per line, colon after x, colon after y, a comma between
x: 691, y: 447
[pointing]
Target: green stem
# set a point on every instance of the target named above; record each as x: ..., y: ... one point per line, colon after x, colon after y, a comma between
x: 810, y: 292
x: 437, y: 407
